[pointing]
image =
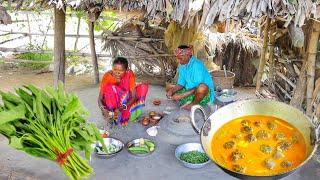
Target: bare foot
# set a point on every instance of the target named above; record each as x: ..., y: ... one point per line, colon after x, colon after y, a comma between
x: 188, y: 106
x: 177, y: 97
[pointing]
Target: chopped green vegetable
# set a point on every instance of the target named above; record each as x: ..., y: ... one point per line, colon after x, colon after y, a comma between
x: 194, y: 157
x: 145, y: 146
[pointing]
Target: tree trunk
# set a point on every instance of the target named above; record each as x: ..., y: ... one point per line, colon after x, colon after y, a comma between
x: 312, y: 52
x: 78, y: 30
x: 59, y: 46
x: 93, y: 52
x: 263, y: 55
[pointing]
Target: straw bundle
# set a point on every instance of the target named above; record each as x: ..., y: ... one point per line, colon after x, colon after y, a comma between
x: 175, y: 35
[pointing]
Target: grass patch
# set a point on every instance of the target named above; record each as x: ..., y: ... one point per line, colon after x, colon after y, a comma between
x: 34, y: 57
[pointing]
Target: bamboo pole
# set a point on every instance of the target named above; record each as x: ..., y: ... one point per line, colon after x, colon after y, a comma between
x: 271, y: 58
x: 300, y: 90
x: 20, y: 37
x: 25, y: 61
x: 312, y: 52
x: 263, y: 55
x: 286, y: 79
x: 124, y: 38
x: 84, y: 54
x: 59, y: 46
x: 283, y: 90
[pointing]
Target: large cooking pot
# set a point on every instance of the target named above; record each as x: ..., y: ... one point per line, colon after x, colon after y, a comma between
x: 238, y: 109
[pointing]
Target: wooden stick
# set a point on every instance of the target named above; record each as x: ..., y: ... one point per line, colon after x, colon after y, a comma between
x: 271, y: 58
x: 5, y: 34
x: 20, y: 37
x: 25, y: 61
x: 312, y: 52
x: 142, y: 39
x: 263, y: 55
x: 286, y: 79
x: 84, y: 54
x: 78, y: 30
x: 283, y: 90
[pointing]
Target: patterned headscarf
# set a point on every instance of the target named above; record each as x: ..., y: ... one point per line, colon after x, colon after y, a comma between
x: 183, y: 52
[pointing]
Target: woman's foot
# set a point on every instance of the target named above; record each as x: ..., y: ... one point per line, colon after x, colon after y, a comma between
x: 187, y: 106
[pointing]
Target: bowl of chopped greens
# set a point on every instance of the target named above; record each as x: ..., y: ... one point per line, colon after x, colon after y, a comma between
x: 113, y: 146
x: 191, y: 155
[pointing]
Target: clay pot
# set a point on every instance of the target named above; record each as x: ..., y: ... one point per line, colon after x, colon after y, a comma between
x: 152, y: 113
x: 156, y: 102
x: 145, y: 121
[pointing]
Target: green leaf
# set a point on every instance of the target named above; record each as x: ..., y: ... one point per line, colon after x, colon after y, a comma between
x: 72, y: 107
x: 10, y: 97
x: 15, y: 142
x: 15, y: 113
x: 25, y: 96
x: 7, y: 130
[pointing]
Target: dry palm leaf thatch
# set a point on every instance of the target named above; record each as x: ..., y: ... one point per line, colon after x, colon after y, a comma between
x: 236, y: 50
x: 209, y: 11
x: 218, y: 41
x: 175, y: 35
x: 149, y: 58
x: 206, y: 11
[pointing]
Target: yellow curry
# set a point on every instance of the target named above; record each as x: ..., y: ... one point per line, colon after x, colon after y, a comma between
x: 258, y: 145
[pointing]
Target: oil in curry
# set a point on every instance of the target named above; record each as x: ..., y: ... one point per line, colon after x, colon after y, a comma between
x: 258, y: 145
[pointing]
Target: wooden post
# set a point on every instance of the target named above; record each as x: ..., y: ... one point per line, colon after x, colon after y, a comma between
x: 311, y: 63
x: 271, y: 58
x: 299, y: 91
x: 78, y: 30
x: 263, y: 55
x: 93, y: 52
x: 59, y: 46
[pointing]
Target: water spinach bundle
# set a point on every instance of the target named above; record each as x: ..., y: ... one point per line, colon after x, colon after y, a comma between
x: 49, y: 123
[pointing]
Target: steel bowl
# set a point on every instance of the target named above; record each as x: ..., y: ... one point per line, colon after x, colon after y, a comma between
x: 136, y: 142
x: 108, y: 141
x: 226, y: 95
x: 183, y: 148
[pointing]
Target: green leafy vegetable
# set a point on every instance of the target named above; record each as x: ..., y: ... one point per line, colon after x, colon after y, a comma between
x: 194, y: 157
x: 49, y: 123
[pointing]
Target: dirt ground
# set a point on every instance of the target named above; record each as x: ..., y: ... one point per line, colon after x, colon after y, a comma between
x: 162, y: 164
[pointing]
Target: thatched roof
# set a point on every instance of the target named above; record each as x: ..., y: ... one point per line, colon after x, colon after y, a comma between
x: 206, y: 12
x: 219, y: 41
x: 201, y: 12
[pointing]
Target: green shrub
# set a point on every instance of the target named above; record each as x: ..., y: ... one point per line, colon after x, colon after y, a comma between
x: 34, y: 57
